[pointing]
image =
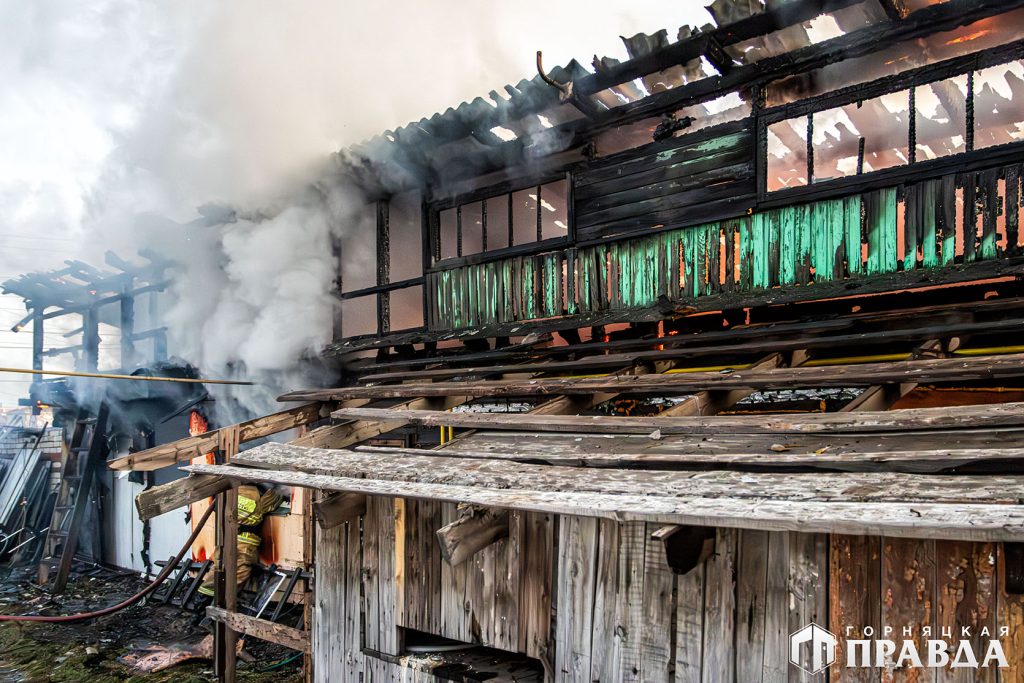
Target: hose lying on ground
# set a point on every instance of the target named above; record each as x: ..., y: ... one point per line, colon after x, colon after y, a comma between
x: 130, y: 601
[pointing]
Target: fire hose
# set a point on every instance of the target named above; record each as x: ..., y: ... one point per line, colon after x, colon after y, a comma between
x: 168, y: 568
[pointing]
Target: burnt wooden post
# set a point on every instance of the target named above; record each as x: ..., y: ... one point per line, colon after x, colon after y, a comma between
x: 37, y: 342
x: 383, y: 267
x: 90, y: 340
x: 226, y: 593
x: 127, y: 326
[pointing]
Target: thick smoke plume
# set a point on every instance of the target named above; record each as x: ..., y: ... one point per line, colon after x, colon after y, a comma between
x: 122, y: 117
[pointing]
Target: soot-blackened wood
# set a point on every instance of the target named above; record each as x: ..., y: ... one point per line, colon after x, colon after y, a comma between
x: 866, y: 374
x: 473, y: 531
x: 916, y: 520
x: 1002, y: 415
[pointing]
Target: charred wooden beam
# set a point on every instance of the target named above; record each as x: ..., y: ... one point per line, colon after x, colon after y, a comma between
x: 179, y: 493
x: 291, y: 638
x: 477, y: 528
x: 185, y: 449
x: 339, y: 508
x: 686, y: 547
x: 896, y: 10
x: 957, y: 417
x: 980, y: 368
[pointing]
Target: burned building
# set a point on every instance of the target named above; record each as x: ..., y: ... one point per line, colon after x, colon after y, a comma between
x: 701, y: 366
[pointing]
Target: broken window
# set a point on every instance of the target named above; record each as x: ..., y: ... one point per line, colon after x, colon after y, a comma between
x: 940, y: 117
x: 920, y: 123
x: 536, y: 213
x: 787, y: 154
x: 405, y: 236
x: 998, y: 114
x: 980, y: 35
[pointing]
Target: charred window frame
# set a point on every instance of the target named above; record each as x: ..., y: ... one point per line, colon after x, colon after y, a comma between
x: 384, y: 291
x: 496, y: 222
x: 800, y: 119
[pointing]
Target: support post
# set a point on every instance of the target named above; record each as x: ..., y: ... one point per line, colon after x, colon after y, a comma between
x: 225, y: 638
x: 37, y: 343
x: 90, y: 340
x: 383, y: 266
x: 127, y: 327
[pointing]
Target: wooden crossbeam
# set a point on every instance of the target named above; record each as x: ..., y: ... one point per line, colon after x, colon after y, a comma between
x: 1002, y: 415
x: 966, y: 521
x: 289, y: 637
x: 194, y: 446
x: 762, y: 457
x: 979, y: 368
x: 178, y: 493
x: 821, y: 486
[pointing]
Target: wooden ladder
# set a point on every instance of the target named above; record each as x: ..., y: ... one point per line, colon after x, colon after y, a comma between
x: 87, y: 452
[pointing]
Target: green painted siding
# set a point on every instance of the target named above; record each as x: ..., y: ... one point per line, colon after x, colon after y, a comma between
x: 875, y: 233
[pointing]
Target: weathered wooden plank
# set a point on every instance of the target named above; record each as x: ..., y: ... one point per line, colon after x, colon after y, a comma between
x: 1010, y: 616
x: 574, y: 612
x: 269, y: 631
x: 606, y: 638
x: 855, y: 599
x: 689, y: 635
x: 720, y: 609
x: 931, y: 370
x: 178, y: 493
x: 1007, y: 414
x: 820, y: 486
x: 535, y: 589
x: 601, y: 450
x: 808, y: 587
x: 917, y: 520
x: 371, y: 591
x: 775, y: 667
x: 751, y: 593
x: 880, y: 215
x: 656, y: 657
x: 193, y: 446
x: 908, y: 587
x: 330, y: 620
x: 455, y: 605
x: 841, y: 454
x: 965, y: 597
x: 422, y: 568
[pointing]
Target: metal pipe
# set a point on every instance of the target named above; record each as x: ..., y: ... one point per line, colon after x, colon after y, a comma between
x: 141, y: 378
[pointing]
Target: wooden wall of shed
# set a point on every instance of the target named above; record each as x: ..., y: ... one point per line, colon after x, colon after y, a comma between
x: 602, y: 593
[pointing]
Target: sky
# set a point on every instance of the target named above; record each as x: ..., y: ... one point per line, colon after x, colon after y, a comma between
x: 112, y: 108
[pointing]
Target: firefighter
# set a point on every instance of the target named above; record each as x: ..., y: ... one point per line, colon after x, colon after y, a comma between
x: 253, y: 506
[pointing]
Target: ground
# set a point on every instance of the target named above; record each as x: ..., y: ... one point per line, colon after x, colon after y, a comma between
x: 89, y: 650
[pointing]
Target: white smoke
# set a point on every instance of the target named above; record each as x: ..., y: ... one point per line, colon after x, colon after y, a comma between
x: 120, y: 117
